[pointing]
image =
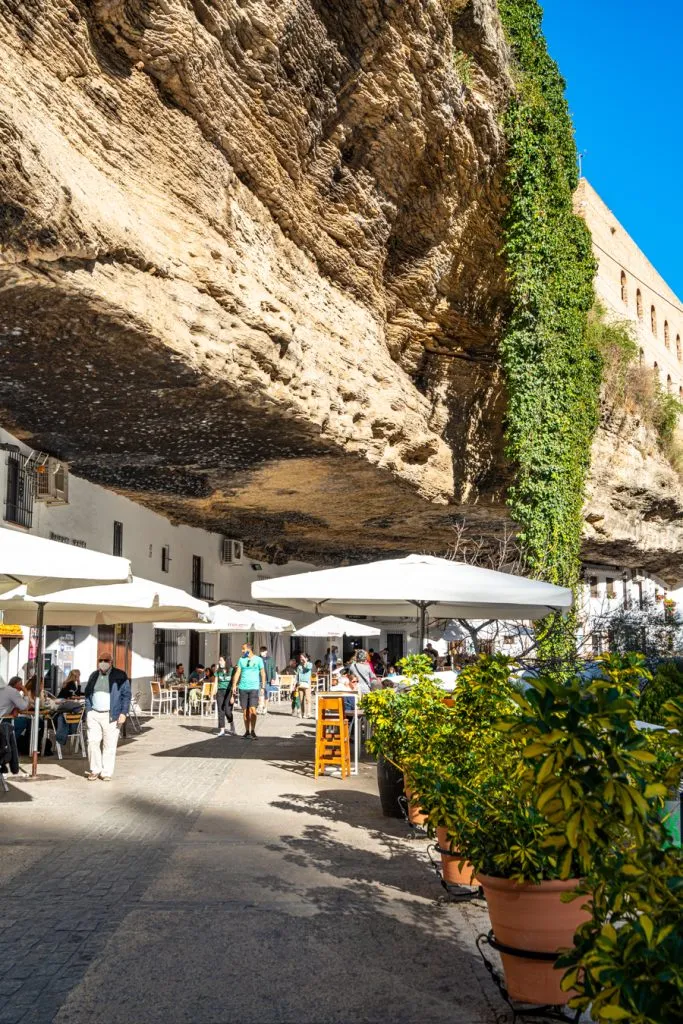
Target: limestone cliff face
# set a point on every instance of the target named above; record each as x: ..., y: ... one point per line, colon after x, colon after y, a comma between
x: 249, y: 261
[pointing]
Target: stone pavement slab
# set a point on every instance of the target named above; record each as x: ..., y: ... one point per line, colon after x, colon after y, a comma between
x: 216, y: 881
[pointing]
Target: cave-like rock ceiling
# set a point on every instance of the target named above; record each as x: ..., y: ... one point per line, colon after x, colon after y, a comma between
x: 250, y: 268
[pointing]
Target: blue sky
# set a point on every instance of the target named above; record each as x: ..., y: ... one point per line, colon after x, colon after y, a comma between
x: 622, y: 63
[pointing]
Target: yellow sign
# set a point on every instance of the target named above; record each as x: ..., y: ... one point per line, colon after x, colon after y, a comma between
x: 7, y: 629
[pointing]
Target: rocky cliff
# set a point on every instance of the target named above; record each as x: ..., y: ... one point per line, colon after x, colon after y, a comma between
x: 250, y: 270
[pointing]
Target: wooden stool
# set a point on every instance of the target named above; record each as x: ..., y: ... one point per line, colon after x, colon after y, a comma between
x: 332, y: 736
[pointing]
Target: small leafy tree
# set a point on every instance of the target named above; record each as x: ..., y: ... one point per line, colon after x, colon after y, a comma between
x: 627, y: 961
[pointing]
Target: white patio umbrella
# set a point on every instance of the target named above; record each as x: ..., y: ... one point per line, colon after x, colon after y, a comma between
x: 43, y: 566
x: 138, y: 601
x: 262, y: 623
x: 400, y: 586
x: 334, y: 628
x: 223, y: 619
x: 38, y: 566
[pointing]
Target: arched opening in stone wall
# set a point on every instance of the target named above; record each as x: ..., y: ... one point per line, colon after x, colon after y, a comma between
x: 653, y: 320
x: 641, y: 355
x: 678, y: 347
x: 668, y: 383
x: 624, y: 288
x: 639, y: 304
x: 667, y: 339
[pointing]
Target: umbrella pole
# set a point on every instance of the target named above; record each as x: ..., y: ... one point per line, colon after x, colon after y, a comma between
x: 421, y: 625
x: 35, y: 729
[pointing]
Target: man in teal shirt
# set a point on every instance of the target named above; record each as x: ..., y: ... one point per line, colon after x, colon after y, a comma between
x: 249, y: 679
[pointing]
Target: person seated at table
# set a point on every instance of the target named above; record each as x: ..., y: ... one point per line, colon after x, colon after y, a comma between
x: 71, y: 686
x: 197, y: 675
x: 209, y: 674
x: 376, y: 663
x: 318, y: 665
x: 13, y: 698
x: 177, y: 676
x: 390, y: 678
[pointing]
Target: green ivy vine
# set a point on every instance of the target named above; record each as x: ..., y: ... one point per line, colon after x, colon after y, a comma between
x: 552, y: 372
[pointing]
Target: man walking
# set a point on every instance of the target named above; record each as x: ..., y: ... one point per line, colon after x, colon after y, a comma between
x: 107, y: 702
x: 249, y: 679
x: 271, y: 675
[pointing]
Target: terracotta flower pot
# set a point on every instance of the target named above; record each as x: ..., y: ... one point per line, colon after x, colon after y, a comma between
x: 533, y: 917
x: 455, y: 871
x: 415, y: 817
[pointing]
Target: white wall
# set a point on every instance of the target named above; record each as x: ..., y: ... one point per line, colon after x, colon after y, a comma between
x: 89, y: 516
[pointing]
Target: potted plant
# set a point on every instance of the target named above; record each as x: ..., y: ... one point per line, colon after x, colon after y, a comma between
x: 585, y: 788
x: 461, y: 753
x: 627, y: 961
x: 402, y: 725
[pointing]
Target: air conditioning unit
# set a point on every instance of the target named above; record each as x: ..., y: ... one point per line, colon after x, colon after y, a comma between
x: 231, y: 551
x: 52, y: 482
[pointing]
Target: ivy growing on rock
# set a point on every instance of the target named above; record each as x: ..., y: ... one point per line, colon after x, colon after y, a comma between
x: 552, y: 372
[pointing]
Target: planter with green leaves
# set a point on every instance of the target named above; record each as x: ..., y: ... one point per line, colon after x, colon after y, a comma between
x: 592, y: 792
x: 462, y: 752
x: 627, y: 960
x: 403, y: 723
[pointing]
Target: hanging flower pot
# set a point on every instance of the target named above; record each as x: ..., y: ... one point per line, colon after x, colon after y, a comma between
x: 415, y: 815
x: 454, y: 869
x: 528, y: 919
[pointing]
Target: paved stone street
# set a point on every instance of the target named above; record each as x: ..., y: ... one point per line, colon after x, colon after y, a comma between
x: 216, y: 881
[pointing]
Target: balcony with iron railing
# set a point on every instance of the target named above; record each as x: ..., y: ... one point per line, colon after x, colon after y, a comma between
x: 202, y: 590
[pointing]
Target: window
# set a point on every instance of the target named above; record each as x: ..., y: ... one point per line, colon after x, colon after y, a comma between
x: 668, y: 383
x: 20, y: 489
x: 641, y: 353
x: 117, y: 546
x: 165, y: 651
x: 667, y: 338
x: 624, y: 289
x: 680, y: 392
x: 609, y: 587
x: 165, y: 557
x: 594, y: 586
x: 655, y: 365
x: 196, y: 575
x: 639, y: 304
x: 678, y: 347
x: 653, y: 320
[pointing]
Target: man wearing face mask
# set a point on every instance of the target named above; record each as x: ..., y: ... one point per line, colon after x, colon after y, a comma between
x: 107, y: 702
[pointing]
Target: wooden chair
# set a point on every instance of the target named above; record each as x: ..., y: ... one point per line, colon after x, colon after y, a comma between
x: 206, y: 697
x: 287, y: 685
x: 161, y: 696
x: 332, y: 747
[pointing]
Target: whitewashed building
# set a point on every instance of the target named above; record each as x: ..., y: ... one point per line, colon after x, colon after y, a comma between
x: 42, y: 497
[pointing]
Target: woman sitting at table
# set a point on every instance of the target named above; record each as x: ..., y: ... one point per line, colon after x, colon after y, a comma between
x: 56, y: 709
x: 72, y: 685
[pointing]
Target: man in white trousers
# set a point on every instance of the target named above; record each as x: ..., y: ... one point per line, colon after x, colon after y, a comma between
x: 107, y: 702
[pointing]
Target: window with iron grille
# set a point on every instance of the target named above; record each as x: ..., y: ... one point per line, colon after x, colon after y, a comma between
x: 196, y: 576
x: 165, y: 558
x: 165, y: 651
x: 117, y: 546
x: 20, y: 490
